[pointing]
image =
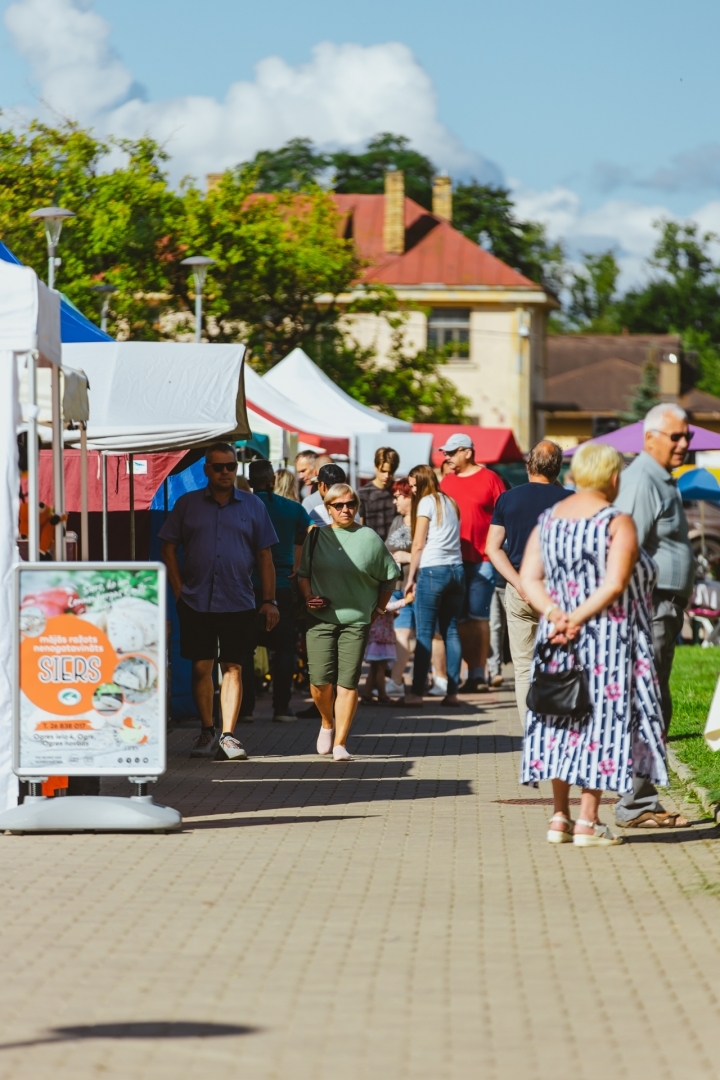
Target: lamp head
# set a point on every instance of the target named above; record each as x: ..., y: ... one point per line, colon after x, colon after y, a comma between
x: 52, y: 218
x: 199, y: 264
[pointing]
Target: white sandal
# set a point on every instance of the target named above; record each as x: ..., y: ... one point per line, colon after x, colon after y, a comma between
x: 599, y: 837
x: 560, y: 836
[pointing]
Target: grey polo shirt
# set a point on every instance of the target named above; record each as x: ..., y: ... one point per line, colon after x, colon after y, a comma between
x: 650, y: 495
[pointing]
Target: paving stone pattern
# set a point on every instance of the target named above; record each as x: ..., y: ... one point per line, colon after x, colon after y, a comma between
x: 398, y: 916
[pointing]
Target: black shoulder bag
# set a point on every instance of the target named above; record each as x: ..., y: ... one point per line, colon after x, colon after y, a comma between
x: 299, y: 606
x: 564, y: 694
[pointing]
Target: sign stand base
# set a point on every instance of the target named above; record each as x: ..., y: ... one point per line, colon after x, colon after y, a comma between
x: 90, y: 813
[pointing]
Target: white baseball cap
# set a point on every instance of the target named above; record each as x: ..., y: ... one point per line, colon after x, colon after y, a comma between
x: 457, y: 442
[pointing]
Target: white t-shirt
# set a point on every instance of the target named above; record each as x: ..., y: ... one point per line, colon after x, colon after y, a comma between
x: 443, y: 541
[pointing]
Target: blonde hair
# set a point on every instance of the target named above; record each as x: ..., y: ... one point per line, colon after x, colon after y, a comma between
x: 426, y: 483
x: 337, y: 490
x: 286, y: 484
x: 595, y: 464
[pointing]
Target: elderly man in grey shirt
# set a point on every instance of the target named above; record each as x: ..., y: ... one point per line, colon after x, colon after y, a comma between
x: 649, y: 494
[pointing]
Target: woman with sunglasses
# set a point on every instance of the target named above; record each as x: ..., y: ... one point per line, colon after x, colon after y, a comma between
x: 346, y: 576
x: 437, y: 580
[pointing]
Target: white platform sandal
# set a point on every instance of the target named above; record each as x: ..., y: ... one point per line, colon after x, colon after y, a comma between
x: 599, y: 837
x: 560, y: 836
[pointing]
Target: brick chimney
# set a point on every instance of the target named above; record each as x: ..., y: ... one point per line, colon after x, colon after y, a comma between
x: 394, y: 224
x: 442, y: 198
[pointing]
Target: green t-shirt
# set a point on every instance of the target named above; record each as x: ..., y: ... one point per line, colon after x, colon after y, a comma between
x: 349, y: 568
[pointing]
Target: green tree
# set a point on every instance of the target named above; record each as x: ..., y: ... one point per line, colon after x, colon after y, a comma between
x: 364, y: 173
x: 646, y: 394
x: 593, y: 300
x: 294, y: 167
x: 486, y: 215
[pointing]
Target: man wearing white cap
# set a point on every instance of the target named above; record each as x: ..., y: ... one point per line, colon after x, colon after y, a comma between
x: 476, y: 490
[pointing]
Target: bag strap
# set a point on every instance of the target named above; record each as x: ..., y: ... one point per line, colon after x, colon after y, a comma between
x: 312, y: 541
x: 547, y: 648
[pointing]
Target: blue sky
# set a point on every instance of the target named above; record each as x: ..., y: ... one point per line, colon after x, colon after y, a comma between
x: 602, y: 115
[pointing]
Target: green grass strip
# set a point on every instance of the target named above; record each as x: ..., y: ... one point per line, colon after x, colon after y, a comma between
x: 694, y: 676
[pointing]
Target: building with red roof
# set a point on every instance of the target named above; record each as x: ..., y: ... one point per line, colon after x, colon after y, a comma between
x: 457, y: 293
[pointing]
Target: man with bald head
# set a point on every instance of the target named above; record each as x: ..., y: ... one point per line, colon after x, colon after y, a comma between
x: 515, y: 516
x: 649, y: 493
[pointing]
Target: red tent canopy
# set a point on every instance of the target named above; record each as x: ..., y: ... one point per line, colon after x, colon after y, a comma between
x: 493, y: 446
x: 157, y: 466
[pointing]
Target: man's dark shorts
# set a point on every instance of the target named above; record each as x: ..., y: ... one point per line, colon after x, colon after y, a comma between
x: 200, y: 632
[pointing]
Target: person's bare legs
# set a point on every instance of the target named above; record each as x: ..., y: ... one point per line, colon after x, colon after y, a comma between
x: 346, y: 704
x: 403, y: 648
x: 370, y: 683
x: 324, y: 697
x: 203, y: 690
x: 380, y: 668
x: 230, y: 696
x: 438, y: 658
x: 589, y: 810
x: 484, y: 634
x: 471, y: 640
x: 561, y: 803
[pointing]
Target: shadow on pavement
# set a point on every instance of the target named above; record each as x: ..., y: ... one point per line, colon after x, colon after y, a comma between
x: 150, y: 1029
x: 296, y: 819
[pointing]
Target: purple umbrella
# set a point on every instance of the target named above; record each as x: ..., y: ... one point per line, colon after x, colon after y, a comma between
x: 629, y: 440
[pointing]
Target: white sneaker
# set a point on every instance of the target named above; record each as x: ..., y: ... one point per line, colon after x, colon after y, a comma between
x: 394, y: 689
x: 439, y: 687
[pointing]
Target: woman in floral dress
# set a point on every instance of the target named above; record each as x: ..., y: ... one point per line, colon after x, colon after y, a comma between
x: 585, y: 573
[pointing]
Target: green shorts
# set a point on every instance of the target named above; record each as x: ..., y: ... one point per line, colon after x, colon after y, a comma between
x: 335, y: 653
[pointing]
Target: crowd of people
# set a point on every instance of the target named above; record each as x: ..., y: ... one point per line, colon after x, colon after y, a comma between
x: 412, y: 576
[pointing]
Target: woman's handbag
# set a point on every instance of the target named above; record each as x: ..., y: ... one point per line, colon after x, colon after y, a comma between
x: 565, y: 694
x: 298, y: 600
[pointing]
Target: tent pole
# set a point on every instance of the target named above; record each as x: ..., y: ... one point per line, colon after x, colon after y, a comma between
x: 33, y: 460
x: 58, y: 462
x: 103, y: 458
x: 702, y: 528
x: 84, y: 520
x: 131, y: 467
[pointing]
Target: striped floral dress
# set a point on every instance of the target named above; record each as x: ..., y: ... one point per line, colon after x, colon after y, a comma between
x: 624, y: 735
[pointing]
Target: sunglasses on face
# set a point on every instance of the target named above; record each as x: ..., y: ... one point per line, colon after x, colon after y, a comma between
x: 677, y: 435
x: 343, y: 506
x: 223, y: 466
x: 452, y: 453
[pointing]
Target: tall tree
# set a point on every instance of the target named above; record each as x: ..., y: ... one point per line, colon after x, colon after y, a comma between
x: 593, y: 299
x: 364, y: 173
x: 487, y: 216
x: 294, y: 167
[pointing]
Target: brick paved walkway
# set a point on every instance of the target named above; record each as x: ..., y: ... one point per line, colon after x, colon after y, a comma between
x: 401, y: 916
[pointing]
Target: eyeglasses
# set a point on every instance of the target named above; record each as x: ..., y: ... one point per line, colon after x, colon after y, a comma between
x: 343, y: 506
x: 676, y: 435
x: 223, y: 466
x: 452, y: 453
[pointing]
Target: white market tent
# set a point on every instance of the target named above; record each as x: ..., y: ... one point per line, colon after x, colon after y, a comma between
x: 303, y: 382
x: 29, y: 327
x: 273, y: 402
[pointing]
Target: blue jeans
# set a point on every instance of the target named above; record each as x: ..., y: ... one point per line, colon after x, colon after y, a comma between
x: 479, y: 588
x: 439, y: 595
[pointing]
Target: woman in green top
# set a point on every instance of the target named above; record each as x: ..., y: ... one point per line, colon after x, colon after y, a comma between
x: 353, y: 575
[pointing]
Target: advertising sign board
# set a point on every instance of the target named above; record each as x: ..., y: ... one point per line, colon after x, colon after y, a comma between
x: 90, y: 669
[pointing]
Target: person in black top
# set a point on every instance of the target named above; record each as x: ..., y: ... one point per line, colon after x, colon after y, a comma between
x: 514, y: 518
x: 377, y: 506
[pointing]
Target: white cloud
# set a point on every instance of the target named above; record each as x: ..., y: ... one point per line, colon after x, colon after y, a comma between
x: 344, y: 95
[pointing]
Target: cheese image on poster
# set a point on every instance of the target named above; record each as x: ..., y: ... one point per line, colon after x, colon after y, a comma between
x: 91, y: 669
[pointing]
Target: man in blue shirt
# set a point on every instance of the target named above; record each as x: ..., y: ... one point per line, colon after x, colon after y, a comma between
x: 223, y: 532
x: 515, y: 516
x: 291, y: 523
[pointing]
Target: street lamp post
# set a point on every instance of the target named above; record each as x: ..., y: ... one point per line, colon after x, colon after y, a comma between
x: 199, y: 265
x: 106, y: 292
x: 52, y: 218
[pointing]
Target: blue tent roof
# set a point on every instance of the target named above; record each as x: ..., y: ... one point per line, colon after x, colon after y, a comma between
x: 73, y: 324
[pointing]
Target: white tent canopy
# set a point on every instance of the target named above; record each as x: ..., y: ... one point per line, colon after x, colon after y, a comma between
x: 302, y: 382
x: 29, y: 314
x: 147, y: 396
x: 262, y: 395
x: 283, y: 443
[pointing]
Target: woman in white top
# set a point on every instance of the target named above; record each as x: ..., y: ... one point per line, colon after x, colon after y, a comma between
x: 436, y: 578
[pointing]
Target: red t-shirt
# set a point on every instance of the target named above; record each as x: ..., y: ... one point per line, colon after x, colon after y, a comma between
x: 476, y: 496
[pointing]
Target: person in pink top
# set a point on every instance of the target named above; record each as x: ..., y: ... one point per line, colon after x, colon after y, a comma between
x: 475, y: 489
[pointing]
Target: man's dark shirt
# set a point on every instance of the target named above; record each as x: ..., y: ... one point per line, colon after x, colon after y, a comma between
x: 518, y: 510
x: 291, y: 523
x: 377, y: 509
x: 219, y: 545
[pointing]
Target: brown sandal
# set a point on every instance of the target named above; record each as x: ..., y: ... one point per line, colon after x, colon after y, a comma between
x: 657, y: 819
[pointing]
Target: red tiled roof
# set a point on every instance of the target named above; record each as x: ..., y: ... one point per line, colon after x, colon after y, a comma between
x: 435, y: 253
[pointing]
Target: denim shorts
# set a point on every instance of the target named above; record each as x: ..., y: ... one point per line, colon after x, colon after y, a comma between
x: 479, y: 589
x: 405, y: 618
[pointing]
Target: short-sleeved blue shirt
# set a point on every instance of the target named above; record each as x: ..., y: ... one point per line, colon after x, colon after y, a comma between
x: 219, y: 545
x: 518, y: 510
x: 291, y: 523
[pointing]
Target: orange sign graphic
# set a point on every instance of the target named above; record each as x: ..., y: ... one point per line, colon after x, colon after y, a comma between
x: 61, y: 668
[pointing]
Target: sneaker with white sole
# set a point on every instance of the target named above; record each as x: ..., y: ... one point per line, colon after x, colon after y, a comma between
x: 439, y: 687
x: 207, y: 743
x: 394, y: 689
x: 230, y: 749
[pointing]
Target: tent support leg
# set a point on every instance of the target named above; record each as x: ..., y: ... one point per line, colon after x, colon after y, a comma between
x: 33, y: 457
x: 104, y: 508
x: 58, y: 462
x: 131, y: 467
x: 84, y: 520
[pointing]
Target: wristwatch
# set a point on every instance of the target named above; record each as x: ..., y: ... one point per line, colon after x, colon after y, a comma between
x: 273, y: 602
x: 380, y: 610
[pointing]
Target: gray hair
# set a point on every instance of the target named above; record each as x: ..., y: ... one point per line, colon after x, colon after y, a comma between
x: 654, y: 418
